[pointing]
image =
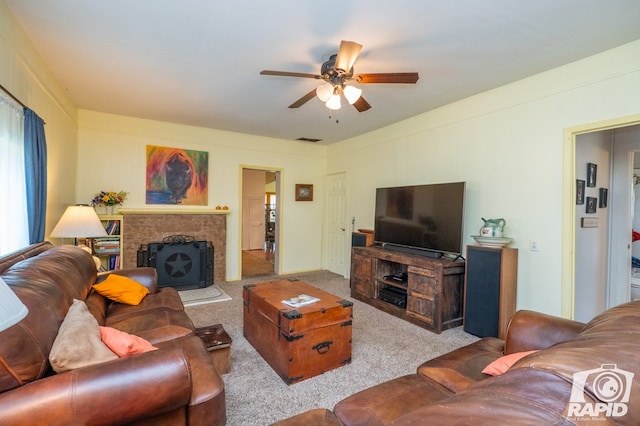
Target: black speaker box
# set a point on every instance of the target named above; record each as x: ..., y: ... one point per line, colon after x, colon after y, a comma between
x: 358, y: 239
x: 482, y: 293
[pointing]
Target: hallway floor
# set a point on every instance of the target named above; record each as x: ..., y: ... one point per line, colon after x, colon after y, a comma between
x: 257, y: 262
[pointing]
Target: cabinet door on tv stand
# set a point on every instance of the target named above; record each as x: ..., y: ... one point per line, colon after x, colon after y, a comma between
x: 423, y: 293
x: 361, y: 274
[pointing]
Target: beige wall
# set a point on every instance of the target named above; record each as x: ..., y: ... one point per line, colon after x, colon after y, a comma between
x: 507, y: 144
x: 111, y: 157
x: 25, y: 76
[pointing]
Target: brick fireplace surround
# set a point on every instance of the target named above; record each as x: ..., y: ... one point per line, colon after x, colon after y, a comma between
x: 143, y: 226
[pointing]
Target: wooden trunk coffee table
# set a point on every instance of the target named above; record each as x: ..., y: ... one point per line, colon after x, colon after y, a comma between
x: 298, y: 343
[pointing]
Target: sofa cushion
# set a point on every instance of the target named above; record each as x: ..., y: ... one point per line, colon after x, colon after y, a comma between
x: 504, y: 363
x: 165, y: 297
x: 382, y: 404
x: 122, y: 289
x: 519, y: 397
x: 124, y: 344
x: 155, y: 326
x: 462, y: 367
x: 78, y: 342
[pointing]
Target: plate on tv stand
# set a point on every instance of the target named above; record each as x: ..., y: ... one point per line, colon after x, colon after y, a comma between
x: 492, y: 241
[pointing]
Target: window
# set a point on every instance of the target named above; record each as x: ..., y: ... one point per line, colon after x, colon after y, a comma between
x: 14, y: 233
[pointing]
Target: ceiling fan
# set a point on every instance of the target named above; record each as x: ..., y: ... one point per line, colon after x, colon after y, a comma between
x: 337, y: 72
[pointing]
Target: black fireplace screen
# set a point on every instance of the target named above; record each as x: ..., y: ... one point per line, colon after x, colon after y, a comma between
x: 180, y: 262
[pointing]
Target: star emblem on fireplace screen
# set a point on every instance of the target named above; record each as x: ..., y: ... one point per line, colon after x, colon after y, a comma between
x: 178, y: 265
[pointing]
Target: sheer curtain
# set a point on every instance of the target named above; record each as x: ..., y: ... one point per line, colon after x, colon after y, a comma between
x: 14, y: 227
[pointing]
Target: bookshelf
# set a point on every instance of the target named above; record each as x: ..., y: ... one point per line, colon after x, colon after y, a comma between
x: 109, y: 249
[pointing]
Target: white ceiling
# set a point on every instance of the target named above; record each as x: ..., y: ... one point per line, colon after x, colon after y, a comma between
x: 197, y: 62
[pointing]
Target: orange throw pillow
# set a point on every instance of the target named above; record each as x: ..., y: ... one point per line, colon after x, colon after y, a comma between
x: 122, y: 289
x: 504, y: 363
x: 124, y: 344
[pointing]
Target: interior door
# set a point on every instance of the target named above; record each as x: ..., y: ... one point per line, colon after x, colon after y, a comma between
x: 256, y: 223
x: 337, y: 242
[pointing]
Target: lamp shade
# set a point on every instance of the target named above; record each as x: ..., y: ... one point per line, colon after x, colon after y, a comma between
x: 324, y: 92
x: 80, y: 221
x: 12, y: 310
x: 352, y: 94
x: 333, y: 102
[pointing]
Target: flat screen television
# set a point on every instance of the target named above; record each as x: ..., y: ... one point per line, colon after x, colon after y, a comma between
x: 421, y: 219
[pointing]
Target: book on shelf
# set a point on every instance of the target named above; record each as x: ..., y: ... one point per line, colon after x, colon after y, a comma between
x: 300, y: 300
x: 112, y: 227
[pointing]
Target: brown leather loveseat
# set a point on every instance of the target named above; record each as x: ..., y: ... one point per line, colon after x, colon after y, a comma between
x: 578, y: 374
x: 177, y: 384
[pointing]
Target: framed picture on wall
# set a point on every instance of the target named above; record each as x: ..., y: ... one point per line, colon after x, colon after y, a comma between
x: 592, y: 202
x: 602, y: 201
x: 304, y: 192
x: 579, y: 191
x: 592, y: 171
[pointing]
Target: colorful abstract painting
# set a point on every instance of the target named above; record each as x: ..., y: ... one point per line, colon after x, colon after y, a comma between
x: 177, y: 176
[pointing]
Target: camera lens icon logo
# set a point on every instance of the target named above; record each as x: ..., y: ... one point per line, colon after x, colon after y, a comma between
x: 607, y: 383
x: 608, y: 387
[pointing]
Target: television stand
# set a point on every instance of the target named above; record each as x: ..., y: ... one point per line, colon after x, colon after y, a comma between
x: 431, y: 296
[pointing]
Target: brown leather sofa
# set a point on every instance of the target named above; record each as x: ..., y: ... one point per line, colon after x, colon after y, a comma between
x: 580, y: 374
x: 174, y: 385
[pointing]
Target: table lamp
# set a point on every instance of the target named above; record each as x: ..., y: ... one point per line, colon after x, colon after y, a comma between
x: 12, y: 310
x: 79, y: 221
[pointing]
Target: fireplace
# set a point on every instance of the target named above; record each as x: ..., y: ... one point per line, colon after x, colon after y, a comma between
x: 144, y: 226
x: 180, y: 261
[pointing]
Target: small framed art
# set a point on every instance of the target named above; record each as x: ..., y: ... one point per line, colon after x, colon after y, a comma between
x: 592, y: 202
x: 304, y: 192
x: 592, y: 172
x: 602, y: 201
x: 579, y: 191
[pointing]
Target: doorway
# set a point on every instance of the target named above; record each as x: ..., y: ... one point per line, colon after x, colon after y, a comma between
x: 259, y: 225
x: 615, y: 261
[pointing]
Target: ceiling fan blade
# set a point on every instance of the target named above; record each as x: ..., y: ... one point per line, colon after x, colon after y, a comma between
x: 361, y: 104
x: 347, y: 55
x: 290, y: 74
x: 303, y: 100
x: 391, y: 77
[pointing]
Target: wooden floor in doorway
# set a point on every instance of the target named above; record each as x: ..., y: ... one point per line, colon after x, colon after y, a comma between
x: 257, y: 262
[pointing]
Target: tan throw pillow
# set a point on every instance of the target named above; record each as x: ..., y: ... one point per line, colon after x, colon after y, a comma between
x: 78, y: 342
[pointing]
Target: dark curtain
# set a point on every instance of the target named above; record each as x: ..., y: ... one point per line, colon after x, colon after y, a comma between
x: 35, y: 164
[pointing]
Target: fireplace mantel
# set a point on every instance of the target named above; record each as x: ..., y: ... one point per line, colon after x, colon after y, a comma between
x: 147, y: 225
x: 170, y: 211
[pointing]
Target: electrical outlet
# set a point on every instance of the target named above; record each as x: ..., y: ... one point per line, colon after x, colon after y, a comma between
x: 533, y: 245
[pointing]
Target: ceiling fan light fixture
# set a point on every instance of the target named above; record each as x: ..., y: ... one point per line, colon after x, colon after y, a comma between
x: 352, y: 94
x: 324, y: 92
x: 333, y: 102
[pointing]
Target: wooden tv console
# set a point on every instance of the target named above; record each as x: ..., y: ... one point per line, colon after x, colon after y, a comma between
x: 434, y: 287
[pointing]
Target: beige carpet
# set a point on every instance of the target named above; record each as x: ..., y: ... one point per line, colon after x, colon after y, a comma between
x: 383, y: 346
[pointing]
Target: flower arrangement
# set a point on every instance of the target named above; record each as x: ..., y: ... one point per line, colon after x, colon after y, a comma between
x: 109, y: 198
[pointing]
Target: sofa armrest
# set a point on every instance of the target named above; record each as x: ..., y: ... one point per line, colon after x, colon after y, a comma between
x: 146, y: 276
x: 529, y: 330
x: 120, y: 392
